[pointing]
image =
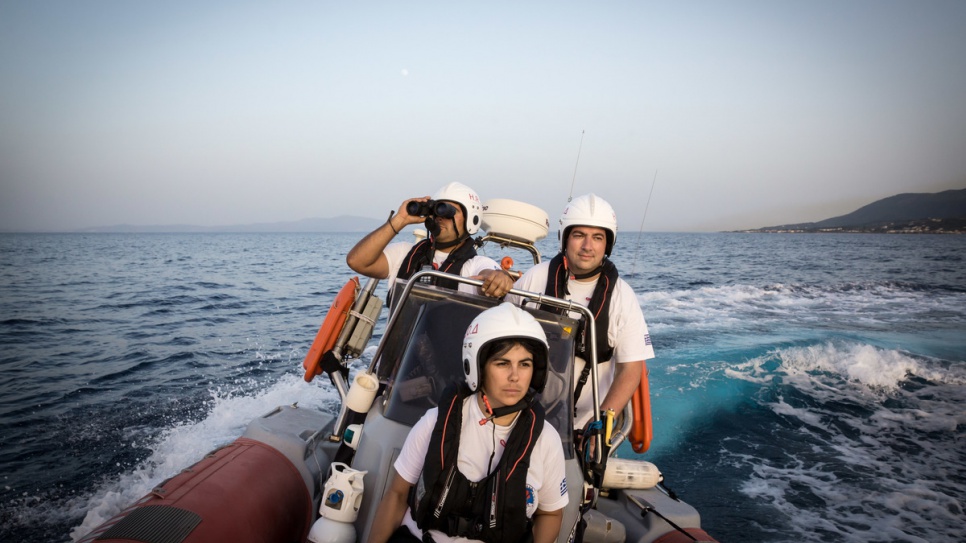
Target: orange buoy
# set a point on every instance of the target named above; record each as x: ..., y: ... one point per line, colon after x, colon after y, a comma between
x: 506, y: 263
x: 642, y: 431
x: 330, y: 329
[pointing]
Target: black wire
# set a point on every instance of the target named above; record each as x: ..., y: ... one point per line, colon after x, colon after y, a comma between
x: 489, y: 464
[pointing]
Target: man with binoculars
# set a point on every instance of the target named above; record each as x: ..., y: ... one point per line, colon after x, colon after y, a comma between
x: 451, y: 216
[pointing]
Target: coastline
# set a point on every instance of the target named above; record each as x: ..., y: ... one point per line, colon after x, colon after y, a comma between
x: 919, y: 226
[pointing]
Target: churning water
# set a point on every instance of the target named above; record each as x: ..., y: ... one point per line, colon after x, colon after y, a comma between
x: 806, y: 387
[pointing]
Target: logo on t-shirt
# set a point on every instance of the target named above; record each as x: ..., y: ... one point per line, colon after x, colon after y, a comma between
x: 531, y: 506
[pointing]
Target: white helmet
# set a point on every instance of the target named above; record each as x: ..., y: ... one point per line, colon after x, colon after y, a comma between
x: 466, y: 197
x: 588, y: 210
x: 505, y: 321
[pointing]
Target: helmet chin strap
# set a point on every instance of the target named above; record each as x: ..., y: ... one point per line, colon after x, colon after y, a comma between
x: 580, y: 276
x: 433, y: 227
x: 506, y: 409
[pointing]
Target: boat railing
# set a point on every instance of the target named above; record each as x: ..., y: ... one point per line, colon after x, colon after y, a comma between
x: 504, y: 242
x: 525, y: 296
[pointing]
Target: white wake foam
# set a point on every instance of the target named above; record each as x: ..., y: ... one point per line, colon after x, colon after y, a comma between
x: 818, y: 368
x: 730, y: 306
x: 879, y: 442
x: 185, y: 443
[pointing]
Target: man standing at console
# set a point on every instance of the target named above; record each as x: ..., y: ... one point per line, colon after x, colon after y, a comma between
x: 454, y: 216
x: 583, y: 273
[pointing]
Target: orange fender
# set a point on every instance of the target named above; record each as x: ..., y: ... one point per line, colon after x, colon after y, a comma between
x: 331, y: 328
x: 642, y: 431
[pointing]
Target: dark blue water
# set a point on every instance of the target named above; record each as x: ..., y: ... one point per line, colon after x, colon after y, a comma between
x: 807, y: 387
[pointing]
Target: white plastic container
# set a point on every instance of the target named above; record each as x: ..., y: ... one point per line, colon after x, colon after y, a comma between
x: 362, y: 392
x: 332, y: 531
x: 342, y: 497
x: 515, y: 220
x: 633, y: 474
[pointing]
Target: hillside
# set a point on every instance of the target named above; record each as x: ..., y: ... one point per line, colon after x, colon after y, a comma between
x: 940, y: 212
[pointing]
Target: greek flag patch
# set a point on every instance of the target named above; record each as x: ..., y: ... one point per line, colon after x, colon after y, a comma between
x: 563, y: 486
x: 647, y: 339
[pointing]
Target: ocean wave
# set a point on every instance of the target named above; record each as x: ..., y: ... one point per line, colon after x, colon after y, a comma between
x: 182, y: 444
x: 831, y: 363
x: 828, y: 361
x: 780, y: 304
x: 868, y: 441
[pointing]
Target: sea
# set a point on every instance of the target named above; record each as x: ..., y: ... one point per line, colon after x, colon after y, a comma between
x: 807, y: 387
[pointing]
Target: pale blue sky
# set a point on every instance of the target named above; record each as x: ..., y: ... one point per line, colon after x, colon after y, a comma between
x: 752, y: 113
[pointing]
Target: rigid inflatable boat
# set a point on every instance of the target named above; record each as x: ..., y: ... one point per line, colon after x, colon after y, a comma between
x: 299, y: 475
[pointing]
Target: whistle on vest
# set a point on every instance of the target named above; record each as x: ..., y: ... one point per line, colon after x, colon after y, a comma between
x: 608, y: 426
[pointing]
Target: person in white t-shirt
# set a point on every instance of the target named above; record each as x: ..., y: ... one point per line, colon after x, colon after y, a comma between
x: 484, y: 464
x: 582, y: 272
x: 451, y: 216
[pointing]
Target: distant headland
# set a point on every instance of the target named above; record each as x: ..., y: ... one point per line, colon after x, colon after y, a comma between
x: 910, y: 213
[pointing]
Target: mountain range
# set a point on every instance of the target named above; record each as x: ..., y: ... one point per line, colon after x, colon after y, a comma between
x: 342, y: 223
x: 939, y: 212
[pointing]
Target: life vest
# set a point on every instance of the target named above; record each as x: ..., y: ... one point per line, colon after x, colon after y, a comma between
x: 422, y: 255
x: 493, y: 509
x: 557, y: 277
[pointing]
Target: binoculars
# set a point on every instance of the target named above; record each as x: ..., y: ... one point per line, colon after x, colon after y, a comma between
x: 431, y: 208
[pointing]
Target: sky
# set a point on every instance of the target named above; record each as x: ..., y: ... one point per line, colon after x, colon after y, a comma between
x: 686, y: 116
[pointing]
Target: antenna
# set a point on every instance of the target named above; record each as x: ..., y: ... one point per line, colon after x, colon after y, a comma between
x: 637, y: 256
x: 572, y: 181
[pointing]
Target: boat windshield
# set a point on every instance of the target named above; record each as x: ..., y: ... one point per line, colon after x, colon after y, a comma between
x: 422, y: 353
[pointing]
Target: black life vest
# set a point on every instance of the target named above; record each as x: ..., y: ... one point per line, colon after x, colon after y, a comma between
x: 422, y: 255
x: 558, y: 275
x: 493, y: 509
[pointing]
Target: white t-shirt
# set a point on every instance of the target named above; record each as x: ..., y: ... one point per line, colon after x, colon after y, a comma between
x: 627, y: 332
x: 396, y: 254
x: 546, y: 478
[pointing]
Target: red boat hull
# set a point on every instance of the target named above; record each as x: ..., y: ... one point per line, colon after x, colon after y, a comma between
x: 245, y: 492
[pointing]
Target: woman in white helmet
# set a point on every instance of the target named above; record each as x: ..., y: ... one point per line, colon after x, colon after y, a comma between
x: 484, y: 464
x: 454, y: 216
x: 582, y: 272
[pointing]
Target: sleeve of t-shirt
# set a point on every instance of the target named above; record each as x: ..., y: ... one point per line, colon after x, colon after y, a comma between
x: 409, y: 463
x: 477, y: 264
x: 533, y: 280
x: 473, y: 267
x: 631, y: 340
x: 553, y: 491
